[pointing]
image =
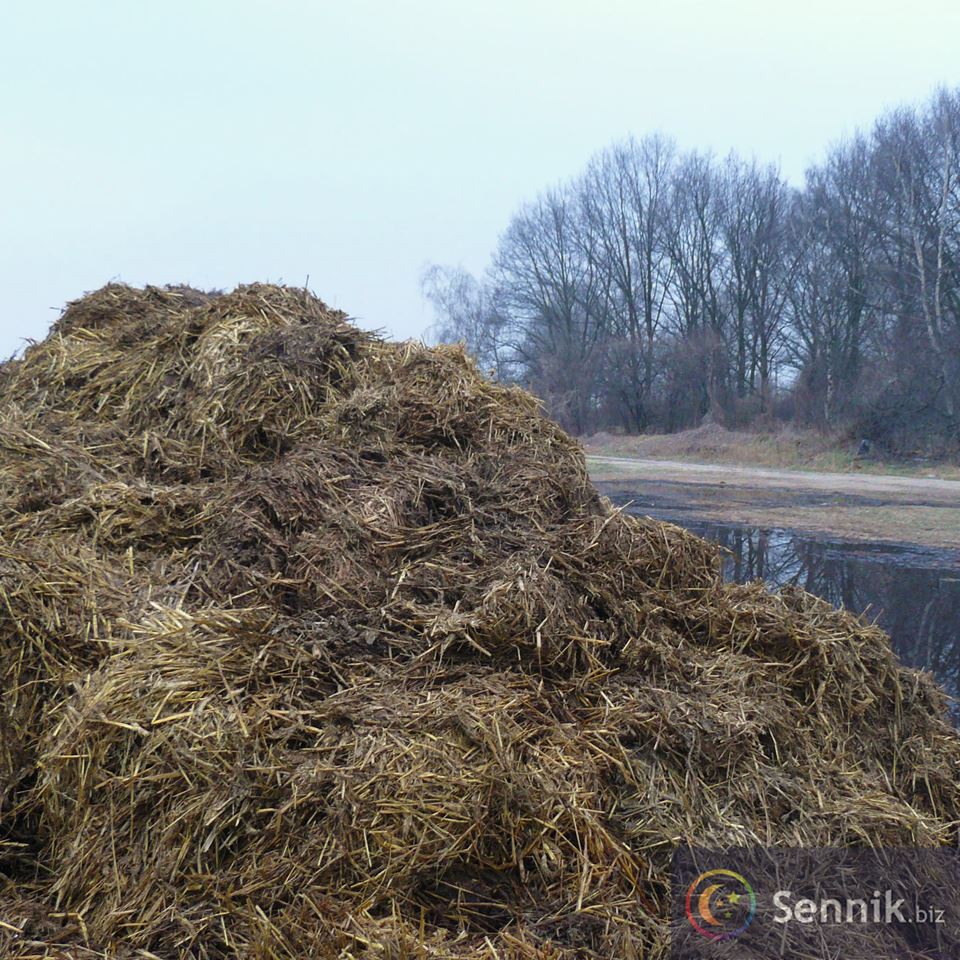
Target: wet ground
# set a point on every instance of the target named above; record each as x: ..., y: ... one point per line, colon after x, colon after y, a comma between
x: 851, y: 506
x: 911, y: 589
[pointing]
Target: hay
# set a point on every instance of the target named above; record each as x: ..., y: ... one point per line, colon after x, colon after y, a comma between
x: 313, y: 645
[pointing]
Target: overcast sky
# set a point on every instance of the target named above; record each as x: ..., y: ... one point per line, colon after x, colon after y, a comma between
x: 355, y: 141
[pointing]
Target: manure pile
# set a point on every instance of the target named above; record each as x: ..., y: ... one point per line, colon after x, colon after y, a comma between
x: 318, y: 646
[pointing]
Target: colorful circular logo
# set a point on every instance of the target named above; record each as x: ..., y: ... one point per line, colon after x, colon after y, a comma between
x: 720, y: 904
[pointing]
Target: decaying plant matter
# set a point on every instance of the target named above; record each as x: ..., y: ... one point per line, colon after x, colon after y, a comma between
x: 313, y: 645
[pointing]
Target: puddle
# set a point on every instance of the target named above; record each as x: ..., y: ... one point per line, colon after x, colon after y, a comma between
x: 913, y: 593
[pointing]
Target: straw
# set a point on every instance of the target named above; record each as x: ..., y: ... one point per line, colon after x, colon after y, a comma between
x: 314, y: 645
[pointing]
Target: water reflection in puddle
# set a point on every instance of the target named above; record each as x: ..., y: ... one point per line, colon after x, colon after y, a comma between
x: 914, y: 594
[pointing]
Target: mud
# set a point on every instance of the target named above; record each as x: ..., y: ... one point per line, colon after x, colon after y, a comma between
x: 868, y: 509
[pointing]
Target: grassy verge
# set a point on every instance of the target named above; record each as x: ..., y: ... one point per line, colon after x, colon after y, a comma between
x: 785, y: 450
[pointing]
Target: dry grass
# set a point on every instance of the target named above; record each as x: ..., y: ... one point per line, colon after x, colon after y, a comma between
x: 317, y: 646
x: 787, y: 449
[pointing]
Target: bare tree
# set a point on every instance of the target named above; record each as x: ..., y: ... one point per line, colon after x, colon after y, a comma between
x: 919, y: 159
x: 832, y: 300
x: 555, y: 296
x: 624, y: 196
x: 694, y: 241
x: 759, y: 269
x: 467, y: 313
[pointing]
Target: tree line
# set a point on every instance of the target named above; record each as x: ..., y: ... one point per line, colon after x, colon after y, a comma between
x: 660, y: 288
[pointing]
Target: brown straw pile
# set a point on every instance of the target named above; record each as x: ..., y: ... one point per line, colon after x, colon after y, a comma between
x: 317, y: 646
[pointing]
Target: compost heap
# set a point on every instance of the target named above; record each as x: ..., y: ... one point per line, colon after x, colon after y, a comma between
x: 313, y: 645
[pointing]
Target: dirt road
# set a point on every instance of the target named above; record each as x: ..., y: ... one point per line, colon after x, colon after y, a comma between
x: 850, y: 505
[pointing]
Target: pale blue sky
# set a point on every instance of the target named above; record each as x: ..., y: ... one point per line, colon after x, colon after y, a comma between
x: 213, y: 142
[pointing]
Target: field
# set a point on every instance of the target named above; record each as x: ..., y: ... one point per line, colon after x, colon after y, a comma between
x: 786, y: 449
